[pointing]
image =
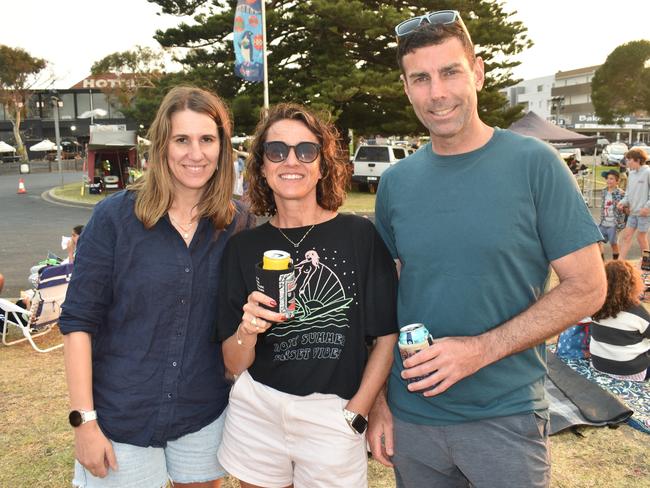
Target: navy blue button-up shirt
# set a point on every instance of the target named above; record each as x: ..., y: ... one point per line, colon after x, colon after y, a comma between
x: 149, y: 302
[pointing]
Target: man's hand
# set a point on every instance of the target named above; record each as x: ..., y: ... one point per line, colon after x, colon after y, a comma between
x: 93, y: 450
x: 644, y: 212
x: 380, y: 431
x: 449, y: 360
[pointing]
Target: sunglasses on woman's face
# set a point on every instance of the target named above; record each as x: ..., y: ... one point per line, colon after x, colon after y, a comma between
x: 278, y: 151
x: 444, y: 17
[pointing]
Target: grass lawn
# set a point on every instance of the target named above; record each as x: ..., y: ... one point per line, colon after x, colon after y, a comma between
x: 356, y: 202
x: 37, y: 441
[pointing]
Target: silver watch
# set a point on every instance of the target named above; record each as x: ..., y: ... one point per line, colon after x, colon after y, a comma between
x: 357, y: 422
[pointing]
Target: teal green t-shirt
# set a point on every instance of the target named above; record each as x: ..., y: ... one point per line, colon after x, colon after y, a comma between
x: 475, y: 233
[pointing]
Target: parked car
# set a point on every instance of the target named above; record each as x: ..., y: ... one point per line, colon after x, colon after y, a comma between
x: 370, y: 161
x: 601, y: 142
x: 613, y: 153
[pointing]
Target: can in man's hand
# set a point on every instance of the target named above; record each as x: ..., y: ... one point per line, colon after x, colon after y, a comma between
x: 412, y: 339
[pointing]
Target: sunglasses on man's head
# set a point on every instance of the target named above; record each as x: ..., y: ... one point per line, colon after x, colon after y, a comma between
x: 278, y: 151
x: 444, y: 17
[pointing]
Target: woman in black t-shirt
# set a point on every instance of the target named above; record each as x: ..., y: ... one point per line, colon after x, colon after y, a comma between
x: 297, y: 413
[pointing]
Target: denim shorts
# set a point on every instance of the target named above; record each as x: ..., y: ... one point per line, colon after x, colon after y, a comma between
x: 609, y: 234
x: 189, y: 459
x: 642, y: 224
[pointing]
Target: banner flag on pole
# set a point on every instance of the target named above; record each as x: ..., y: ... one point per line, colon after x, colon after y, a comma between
x: 248, y: 40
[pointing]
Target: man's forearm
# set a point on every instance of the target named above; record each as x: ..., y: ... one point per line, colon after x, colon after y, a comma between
x: 563, y: 306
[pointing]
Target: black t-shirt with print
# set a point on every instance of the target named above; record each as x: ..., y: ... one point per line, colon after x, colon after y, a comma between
x: 346, y: 290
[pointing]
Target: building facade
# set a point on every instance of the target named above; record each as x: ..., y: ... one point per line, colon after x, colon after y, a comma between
x: 79, y: 106
x: 568, y: 104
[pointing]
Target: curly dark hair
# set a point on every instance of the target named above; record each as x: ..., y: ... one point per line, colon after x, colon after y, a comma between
x: 330, y: 190
x: 623, y: 286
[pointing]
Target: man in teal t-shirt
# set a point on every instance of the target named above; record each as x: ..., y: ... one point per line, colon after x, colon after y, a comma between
x: 473, y: 220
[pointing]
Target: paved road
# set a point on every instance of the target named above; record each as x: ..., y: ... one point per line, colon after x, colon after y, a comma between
x: 31, y: 226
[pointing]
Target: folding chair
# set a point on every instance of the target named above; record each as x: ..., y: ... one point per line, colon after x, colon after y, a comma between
x: 12, y: 316
x: 45, y: 310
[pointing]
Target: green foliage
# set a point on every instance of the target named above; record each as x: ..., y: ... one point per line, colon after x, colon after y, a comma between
x: 136, y: 70
x: 339, y: 56
x: 621, y: 86
x: 17, y: 71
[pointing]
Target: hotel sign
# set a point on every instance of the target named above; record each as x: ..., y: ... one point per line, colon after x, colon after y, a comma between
x: 107, y: 81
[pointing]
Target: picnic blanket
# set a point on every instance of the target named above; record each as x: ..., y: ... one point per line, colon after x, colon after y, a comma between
x: 635, y: 395
x: 575, y: 401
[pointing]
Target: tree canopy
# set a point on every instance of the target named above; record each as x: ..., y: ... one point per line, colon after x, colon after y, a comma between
x: 139, y: 68
x: 621, y: 85
x: 18, y: 70
x: 339, y: 56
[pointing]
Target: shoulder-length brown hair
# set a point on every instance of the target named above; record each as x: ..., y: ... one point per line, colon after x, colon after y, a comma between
x: 330, y: 190
x: 155, y: 190
x: 623, y: 288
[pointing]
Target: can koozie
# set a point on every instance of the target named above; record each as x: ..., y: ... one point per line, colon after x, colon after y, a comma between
x: 279, y: 285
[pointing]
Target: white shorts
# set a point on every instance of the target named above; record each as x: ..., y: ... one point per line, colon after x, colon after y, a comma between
x: 274, y: 439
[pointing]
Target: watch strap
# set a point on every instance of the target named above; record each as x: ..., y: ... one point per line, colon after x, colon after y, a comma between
x: 80, y: 417
x: 88, y: 416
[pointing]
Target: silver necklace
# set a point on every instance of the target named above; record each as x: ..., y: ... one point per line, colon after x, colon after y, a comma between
x: 184, y: 232
x: 296, y: 244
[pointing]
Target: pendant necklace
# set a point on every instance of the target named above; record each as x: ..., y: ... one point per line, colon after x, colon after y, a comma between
x: 185, y: 229
x: 296, y: 244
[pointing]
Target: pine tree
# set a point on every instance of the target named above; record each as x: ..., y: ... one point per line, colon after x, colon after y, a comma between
x: 339, y: 56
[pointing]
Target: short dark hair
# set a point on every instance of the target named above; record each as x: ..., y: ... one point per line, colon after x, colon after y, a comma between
x: 430, y: 35
x: 78, y: 229
x: 614, y: 173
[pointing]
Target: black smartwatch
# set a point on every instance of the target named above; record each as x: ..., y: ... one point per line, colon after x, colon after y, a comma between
x: 356, y: 421
x: 80, y: 417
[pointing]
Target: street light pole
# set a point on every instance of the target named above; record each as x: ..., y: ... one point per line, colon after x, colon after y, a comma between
x: 57, y: 102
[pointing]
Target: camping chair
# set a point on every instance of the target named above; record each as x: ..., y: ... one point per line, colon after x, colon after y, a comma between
x: 45, y: 309
x: 12, y: 316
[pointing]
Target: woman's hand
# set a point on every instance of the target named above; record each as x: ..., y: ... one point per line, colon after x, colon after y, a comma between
x: 256, y: 319
x: 93, y: 450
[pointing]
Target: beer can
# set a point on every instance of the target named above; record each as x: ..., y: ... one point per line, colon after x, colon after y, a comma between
x: 276, y: 260
x: 275, y: 277
x: 412, y: 339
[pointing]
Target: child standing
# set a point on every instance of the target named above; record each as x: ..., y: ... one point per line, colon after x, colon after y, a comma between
x: 612, y: 219
x: 637, y: 199
x: 620, y: 335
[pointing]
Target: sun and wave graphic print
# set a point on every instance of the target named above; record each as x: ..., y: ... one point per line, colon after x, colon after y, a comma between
x: 322, y: 298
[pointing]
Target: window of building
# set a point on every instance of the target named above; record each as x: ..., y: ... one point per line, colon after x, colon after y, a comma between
x: 83, y: 103
x: 67, y: 111
x: 99, y: 101
x: 540, y: 88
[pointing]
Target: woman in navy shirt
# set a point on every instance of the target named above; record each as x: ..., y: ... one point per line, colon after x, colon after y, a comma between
x: 146, y: 383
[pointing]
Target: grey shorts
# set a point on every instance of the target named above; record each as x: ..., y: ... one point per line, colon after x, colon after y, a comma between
x: 609, y: 234
x: 189, y: 459
x: 642, y: 224
x: 501, y: 452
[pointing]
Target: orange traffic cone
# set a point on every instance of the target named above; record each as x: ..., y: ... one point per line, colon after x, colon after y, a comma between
x: 21, y: 186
